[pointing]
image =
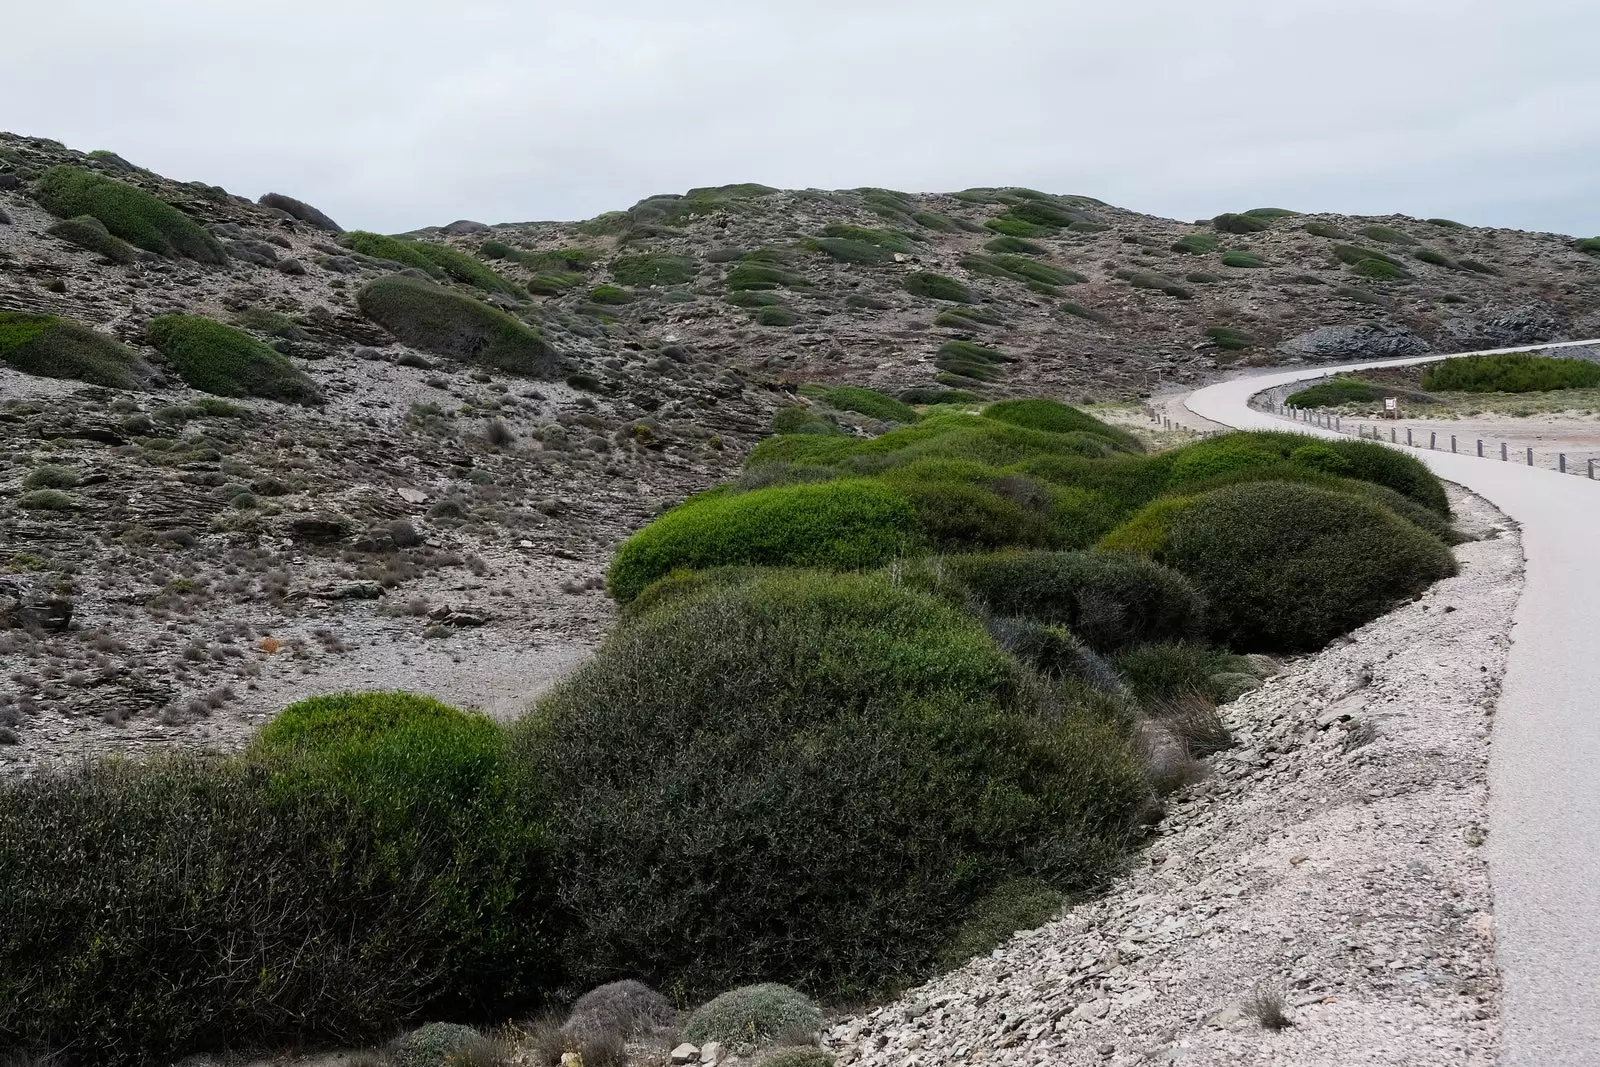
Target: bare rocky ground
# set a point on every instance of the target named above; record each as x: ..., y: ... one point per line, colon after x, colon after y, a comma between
x: 1331, y: 863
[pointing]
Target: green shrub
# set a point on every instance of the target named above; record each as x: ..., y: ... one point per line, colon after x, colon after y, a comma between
x: 325, y: 885
x: 441, y: 261
x: 90, y: 233
x: 1381, y: 270
x: 777, y: 315
x: 1387, y: 235
x: 863, y: 755
x: 1162, y: 672
x: 1013, y: 227
x: 1278, y: 582
x: 610, y: 295
x: 45, y: 500
x: 432, y: 1045
x: 1018, y: 267
x: 1230, y: 223
x: 971, y: 360
x: 653, y: 268
x: 1325, y: 229
x: 755, y: 274
x: 50, y: 477
x: 1042, y: 213
x: 840, y: 525
x: 798, y: 419
x: 1338, y: 392
x: 849, y: 251
x: 1516, y: 372
x: 218, y: 359
x: 1226, y: 337
x: 1109, y: 601
x: 554, y: 284
x: 1020, y: 904
x: 138, y: 217
x: 261, y: 320
x: 1052, y: 416
x: 1242, y: 259
x: 966, y: 317
x: 1449, y: 224
x: 1476, y: 267
x: 937, y: 287
x: 1081, y: 312
x: 53, y: 347
x: 867, y: 402
x: 1438, y: 259
x: 1145, y: 280
x: 1353, y: 254
x: 453, y: 324
x: 1196, y: 244
x: 753, y: 1015
x: 886, y: 239
x: 1014, y: 245
x: 934, y: 395
x: 1271, y: 213
x: 963, y: 506
x: 1588, y: 245
x: 795, y: 1056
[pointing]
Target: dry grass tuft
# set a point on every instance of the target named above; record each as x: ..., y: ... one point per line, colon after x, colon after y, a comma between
x: 1266, y: 1004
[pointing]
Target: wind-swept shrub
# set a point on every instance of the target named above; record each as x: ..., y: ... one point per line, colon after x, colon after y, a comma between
x: 448, y: 323
x: 53, y: 347
x: 865, y: 757
x: 1516, y: 372
x: 90, y: 233
x: 1338, y: 392
x: 970, y: 360
x: 439, y: 260
x: 218, y: 359
x: 867, y: 402
x: 128, y: 212
x: 653, y: 268
x: 937, y: 287
x: 300, y: 210
x: 1052, y: 416
x: 1231, y: 223
x: 1242, y: 259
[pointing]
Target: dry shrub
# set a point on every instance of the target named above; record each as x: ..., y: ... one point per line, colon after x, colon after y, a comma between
x: 1267, y: 1006
x: 1192, y: 718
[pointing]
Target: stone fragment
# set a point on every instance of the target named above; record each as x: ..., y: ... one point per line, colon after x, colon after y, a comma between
x: 686, y: 1053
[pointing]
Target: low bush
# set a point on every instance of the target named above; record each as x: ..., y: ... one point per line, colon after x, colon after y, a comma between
x: 50, y: 477
x: 890, y: 240
x: 446, y: 323
x: 796, y: 419
x: 128, y: 212
x: 261, y: 320
x: 1081, y: 312
x: 1196, y: 244
x: 366, y: 863
x: 1014, y: 227
x: 610, y: 295
x: 1588, y: 245
x: 1438, y: 259
x: 1320, y: 563
x: 1228, y: 338
x: 1108, y: 601
x: 754, y: 1015
x: 653, y: 268
x: 966, y: 317
x: 937, y: 287
x: 432, y: 1045
x: 1052, y: 416
x: 1155, y: 673
x: 1027, y: 270
x: 1448, y: 224
x: 1231, y: 223
x: 1325, y: 229
x: 842, y: 525
x: 864, y: 756
x: 754, y: 273
x: 1020, y: 904
x: 777, y: 315
x: 89, y: 233
x: 963, y: 506
x: 1518, y: 372
x: 1242, y: 259
x: 439, y: 260
x: 1145, y: 280
x: 1271, y: 213
x: 795, y: 1056
x: 1353, y: 254
x: 1381, y: 270
x: 936, y: 395
x: 1387, y: 235
x: 53, y: 347
x: 300, y: 210
x: 46, y: 500
x: 218, y: 359
x: 970, y: 360
x: 850, y: 251
x: 1477, y: 267
x: 1338, y: 392
x: 867, y: 402
x: 1014, y: 245
x: 554, y: 283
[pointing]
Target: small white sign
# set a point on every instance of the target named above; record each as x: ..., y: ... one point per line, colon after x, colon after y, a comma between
x: 1391, y: 403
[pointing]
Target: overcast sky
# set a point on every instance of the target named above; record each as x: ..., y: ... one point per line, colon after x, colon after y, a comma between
x: 396, y: 114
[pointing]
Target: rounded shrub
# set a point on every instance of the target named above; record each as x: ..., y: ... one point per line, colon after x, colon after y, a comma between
x: 439, y: 260
x: 1020, y: 904
x: 431, y: 1045
x: 797, y: 418
x: 842, y: 525
x: 1514, y: 372
x: 88, y: 232
x: 50, y: 477
x: 937, y: 287
x: 1109, y: 601
x: 1242, y: 259
x: 809, y: 777
x: 867, y: 402
x: 1237, y: 223
x: 1166, y: 671
x: 1052, y: 416
x: 1287, y: 567
x: 53, y: 347
x: 965, y: 507
x: 219, y: 359
x: 653, y: 268
x: 754, y: 1015
x: 127, y: 212
x: 1367, y: 461
x: 446, y: 323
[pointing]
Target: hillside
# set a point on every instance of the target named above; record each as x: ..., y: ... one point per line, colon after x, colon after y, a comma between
x: 419, y: 453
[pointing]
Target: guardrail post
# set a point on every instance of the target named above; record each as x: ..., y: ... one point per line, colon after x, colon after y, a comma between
x: 1563, y: 463
x: 1502, y: 452
x: 1530, y: 455
x: 1591, y: 470
x: 1480, y: 448
x: 1391, y: 435
x: 1452, y: 444
x: 1433, y: 440
x: 1408, y: 437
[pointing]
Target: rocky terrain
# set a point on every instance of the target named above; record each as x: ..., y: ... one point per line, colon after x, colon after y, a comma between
x: 173, y: 565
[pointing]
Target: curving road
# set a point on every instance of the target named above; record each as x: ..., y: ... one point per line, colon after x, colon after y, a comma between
x: 1544, y: 768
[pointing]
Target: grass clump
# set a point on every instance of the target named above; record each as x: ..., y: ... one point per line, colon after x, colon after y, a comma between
x: 1438, y: 259
x: 776, y: 315
x: 1019, y: 268
x: 1353, y: 254
x: 756, y: 274
x: 447, y: 323
x: 554, y: 283
x: 1014, y: 246
x: 1228, y: 338
x: 1381, y: 270
x: 1325, y: 229
x: 1518, y: 372
x: 864, y: 401
x: 1277, y: 582
x: 975, y: 361
x: 966, y: 317
x: 653, y: 268
x: 365, y: 864
x: 610, y: 295
x: 441, y: 261
x: 218, y: 359
x: 799, y: 419
x: 89, y: 233
x: 1196, y: 244
x: 1145, y: 280
x: 753, y: 1015
x: 877, y: 764
x: 53, y: 347
x: 1242, y: 259
x: 1232, y: 223
x: 1387, y: 235
x: 936, y: 395
x: 1020, y: 904
x: 127, y: 212
x: 840, y: 526
x: 848, y: 251
x: 937, y: 287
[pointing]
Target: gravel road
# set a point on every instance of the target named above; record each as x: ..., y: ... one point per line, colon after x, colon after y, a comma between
x: 1544, y: 842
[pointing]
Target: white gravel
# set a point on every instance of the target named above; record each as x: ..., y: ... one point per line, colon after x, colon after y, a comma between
x: 1351, y: 882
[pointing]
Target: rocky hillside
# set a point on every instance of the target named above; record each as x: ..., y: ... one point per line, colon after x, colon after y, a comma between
x: 240, y: 446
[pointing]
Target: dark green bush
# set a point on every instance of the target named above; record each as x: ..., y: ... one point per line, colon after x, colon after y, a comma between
x: 840, y: 525
x: 1052, y: 416
x: 1476, y: 267
x: 261, y: 320
x: 1438, y: 259
x: 863, y: 756
x: 1145, y: 280
x: 1588, y: 245
x: 753, y: 1015
x: 1325, y: 229
x: 1353, y: 254
x: 1387, y: 235
x: 1013, y: 227
x: 777, y: 315
x: 848, y: 251
x: 868, y: 402
x: 1338, y: 392
x: 886, y: 239
x: 966, y: 317
x: 90, y: 233
x: 756, y: 274
x: 218, y: 359
x: 798, y: 419
x: 970, y: 360
x: 53, y: 347
x: 323, y: 887
x: 1288, y: 567
x: 653, y: 268
x: 1015, y: 245
x: 1022, y: 269
x: 1242, y: 259
x: 1109, y: 601
x: 1196, y: 244
x: 1381, y: 270
x: 441, y: 261
x: 1020, y: 904
x: 1517, y: 372
x: 1079, y: 311
x: 610, y: 295
x: 1449, y: 224
x: 452, y: 324
x: 934, y: 395
x: 554, y: 284
x: 138, y: 217
x: 937, y: 287
x: 966, y: 507
x: 1163, y: 672
x: 1227, y: 337
x: 1271, y: 213
x: 1230, y: 223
